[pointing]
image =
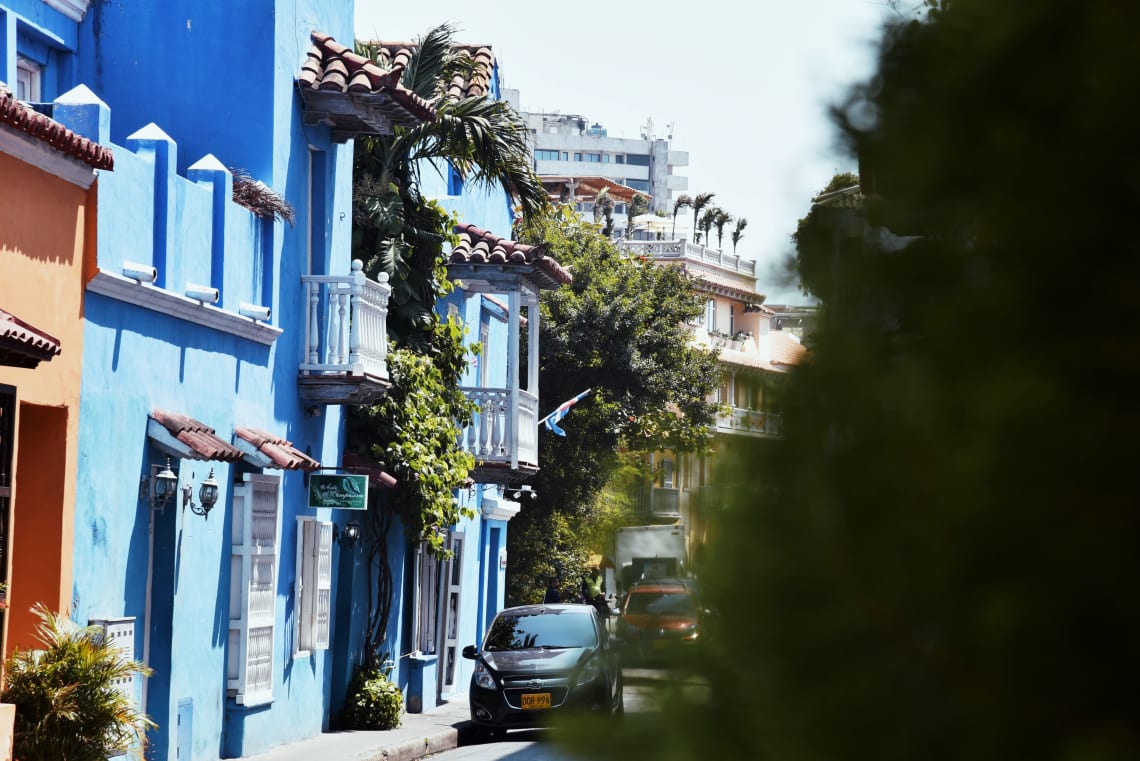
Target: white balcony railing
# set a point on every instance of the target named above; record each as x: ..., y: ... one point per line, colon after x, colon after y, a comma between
x: 495, y: 435
x: 347, y: 330
x: 751, y: 422
x: 677, y: 250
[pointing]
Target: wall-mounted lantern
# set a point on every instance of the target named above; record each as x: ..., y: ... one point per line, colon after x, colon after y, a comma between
x: 207, y: 496
x: 158, y: 488
x: 348, y: 535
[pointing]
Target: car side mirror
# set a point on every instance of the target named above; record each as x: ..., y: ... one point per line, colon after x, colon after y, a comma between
x: 470, y: 652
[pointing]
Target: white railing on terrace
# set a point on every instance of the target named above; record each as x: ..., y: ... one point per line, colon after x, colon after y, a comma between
x: 753, y: 422
x: 347, y: 330
x: 496, y: 432
x: 665, y: 250
x: 659, y: 501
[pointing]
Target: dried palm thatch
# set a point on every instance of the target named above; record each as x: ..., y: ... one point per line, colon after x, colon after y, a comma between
x: 256, y: 196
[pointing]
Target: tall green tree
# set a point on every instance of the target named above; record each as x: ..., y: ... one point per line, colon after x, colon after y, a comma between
x: 941, y: 557
x: 621, y: 331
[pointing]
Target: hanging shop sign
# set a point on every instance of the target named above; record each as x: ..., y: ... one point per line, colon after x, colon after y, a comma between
x: 347, y: 492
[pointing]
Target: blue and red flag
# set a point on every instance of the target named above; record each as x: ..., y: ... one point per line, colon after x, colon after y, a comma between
x: 551, y: 420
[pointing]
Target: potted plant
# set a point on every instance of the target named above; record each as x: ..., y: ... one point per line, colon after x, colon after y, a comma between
x: 67, y: 701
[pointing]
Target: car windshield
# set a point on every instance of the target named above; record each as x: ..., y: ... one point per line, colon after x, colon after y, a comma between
x: 550, y: 629
x: 671, y: 603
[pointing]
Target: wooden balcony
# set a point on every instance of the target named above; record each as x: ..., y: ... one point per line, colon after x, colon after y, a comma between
x: 769, y: 425
x: 346, y: 338
x: 503, y: 435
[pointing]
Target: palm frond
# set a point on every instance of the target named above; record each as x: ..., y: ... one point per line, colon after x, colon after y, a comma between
x: 428, y: 72
x: 486, y: 142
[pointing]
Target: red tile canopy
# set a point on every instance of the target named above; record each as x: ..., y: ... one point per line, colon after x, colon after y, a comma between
x: 474, y: 83
x: 15, y: 114
x: 268, y: 451
x: 479, y: 247
x: 22, y: 345
x: 354, y: 95
x: 186, y: 438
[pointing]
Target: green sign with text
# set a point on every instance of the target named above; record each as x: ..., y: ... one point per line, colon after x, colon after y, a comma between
x: 342, y: 491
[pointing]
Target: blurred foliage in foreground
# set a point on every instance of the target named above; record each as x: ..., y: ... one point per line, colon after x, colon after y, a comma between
x: 940, y: 561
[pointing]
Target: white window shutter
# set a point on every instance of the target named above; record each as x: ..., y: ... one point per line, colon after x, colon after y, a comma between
x: 323, y: 587
x: 253, y: 588
x: 314, y: 584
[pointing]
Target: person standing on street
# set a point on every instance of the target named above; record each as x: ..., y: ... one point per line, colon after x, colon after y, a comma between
x: 552, y: 593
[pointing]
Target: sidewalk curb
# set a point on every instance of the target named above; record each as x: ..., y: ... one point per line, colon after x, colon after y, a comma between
x: 410, y: 750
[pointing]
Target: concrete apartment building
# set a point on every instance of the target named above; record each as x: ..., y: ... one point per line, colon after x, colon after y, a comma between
x: 568, y: 147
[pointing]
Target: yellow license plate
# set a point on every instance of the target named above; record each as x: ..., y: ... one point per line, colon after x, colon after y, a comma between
x: 535, y: 701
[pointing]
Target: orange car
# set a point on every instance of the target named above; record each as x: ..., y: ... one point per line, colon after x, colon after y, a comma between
x: 659, y: 617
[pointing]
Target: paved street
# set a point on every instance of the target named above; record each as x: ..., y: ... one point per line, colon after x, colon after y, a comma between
x: 641, y: 686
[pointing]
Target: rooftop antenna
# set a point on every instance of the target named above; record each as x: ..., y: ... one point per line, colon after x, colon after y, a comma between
x: 669, y: 129
x: 647, y: 129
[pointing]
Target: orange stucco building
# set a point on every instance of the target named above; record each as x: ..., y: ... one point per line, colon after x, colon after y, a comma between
x: 47, y: 198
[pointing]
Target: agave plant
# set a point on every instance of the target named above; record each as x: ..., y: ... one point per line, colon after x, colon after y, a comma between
x: 68, y: 704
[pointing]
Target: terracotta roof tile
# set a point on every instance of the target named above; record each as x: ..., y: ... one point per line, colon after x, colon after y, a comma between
x: 478, y: 246
x: 15, y: 114
x: 347, y: 89
x: 22, y: 345
x: 786, y: 350
x: 476, y: 84
x: 281, y: 452
x: 199, y: 437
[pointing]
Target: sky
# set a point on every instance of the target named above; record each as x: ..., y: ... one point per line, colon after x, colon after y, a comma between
x: 745, y: 84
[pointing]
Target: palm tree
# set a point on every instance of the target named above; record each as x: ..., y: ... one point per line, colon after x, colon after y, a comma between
x: 638, y: 205
x: 722, y: 218
x: 738, y: 233
x: 708, y: 219
x: 700, y: 201
x: 684, y: 201
x: 601, y: 201
x: 484, y: 140
x: 604, y: 207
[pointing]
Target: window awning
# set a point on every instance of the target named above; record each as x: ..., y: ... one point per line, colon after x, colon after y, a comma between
x: 22, y: 345
x: 264, y: 450
x: 184, y: 437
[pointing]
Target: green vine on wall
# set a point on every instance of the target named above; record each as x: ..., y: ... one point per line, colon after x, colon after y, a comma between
x: 414, y: 433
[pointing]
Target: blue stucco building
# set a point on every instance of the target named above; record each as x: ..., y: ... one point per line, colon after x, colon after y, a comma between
x: 226, y: 331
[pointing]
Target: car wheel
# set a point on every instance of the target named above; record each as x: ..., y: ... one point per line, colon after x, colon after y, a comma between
x: 619, y: 711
